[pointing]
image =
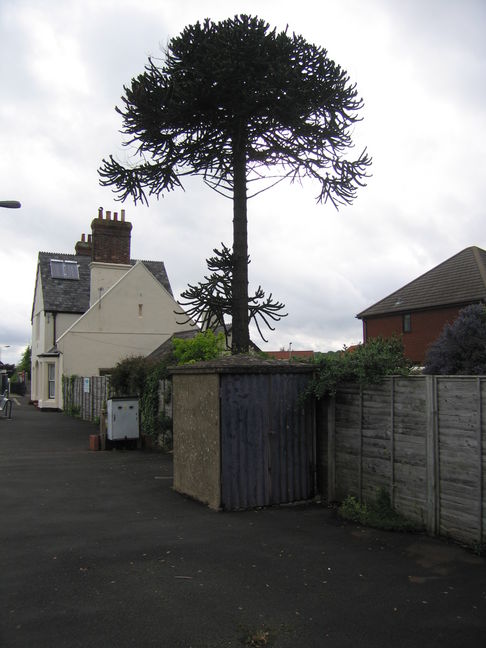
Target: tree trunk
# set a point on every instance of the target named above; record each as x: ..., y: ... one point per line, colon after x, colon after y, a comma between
x: 240, y: 334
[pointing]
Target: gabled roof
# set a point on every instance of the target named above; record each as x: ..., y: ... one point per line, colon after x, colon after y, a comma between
x: 65, y: 295
x: 458, y: 281
x: 72, y: 295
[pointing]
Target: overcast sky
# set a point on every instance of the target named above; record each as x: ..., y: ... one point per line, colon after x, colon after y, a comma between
x: 420, y: 67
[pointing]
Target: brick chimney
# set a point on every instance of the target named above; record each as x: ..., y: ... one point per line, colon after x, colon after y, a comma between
x: 83, y: 247
x: 110, y: 241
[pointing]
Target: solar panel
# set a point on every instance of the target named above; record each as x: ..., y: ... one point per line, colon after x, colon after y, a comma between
x: 61, y: 269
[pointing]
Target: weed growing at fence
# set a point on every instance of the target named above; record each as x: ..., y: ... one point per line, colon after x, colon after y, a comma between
x: 378, y: 514
x: 258, y: 637
x: 479, y: 548
x: 73, y: 410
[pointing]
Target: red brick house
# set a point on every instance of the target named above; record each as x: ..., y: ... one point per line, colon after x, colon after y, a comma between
x: 420, y: 309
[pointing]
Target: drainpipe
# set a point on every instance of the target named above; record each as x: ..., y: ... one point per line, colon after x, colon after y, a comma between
x: 54, y: 332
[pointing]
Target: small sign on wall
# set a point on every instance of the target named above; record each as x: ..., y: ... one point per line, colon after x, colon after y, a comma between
x: 86, y: 385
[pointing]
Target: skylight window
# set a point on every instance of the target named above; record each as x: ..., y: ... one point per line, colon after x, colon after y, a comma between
x: 64, y: 269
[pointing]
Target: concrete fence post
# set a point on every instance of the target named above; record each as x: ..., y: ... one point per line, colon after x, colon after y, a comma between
x: 432, y: 457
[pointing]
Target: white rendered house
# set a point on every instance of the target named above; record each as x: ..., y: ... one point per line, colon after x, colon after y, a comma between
x: 96, y: 307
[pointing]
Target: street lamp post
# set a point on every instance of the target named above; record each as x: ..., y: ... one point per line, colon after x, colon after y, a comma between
x: 10, y: 204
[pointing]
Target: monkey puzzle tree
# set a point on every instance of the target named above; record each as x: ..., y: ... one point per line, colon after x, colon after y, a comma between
x: 208, y: 302
x: 237, y: 102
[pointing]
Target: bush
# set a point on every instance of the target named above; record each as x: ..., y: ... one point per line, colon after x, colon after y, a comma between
x: 461, y: 347
x: 203, y: 346
x: 366, y: 364
x: 128, y: 376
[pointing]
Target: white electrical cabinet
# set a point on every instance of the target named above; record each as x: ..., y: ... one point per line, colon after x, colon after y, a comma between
x: 122, y: 419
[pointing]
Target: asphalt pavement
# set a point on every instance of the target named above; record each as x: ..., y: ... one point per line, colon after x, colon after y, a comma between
x: 97, y: 550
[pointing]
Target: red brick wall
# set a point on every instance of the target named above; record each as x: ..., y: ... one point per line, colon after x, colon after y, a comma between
x: 110, y: 240
x: 426, y: 327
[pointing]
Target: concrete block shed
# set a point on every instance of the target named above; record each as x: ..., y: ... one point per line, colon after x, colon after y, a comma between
x: 243, y: 435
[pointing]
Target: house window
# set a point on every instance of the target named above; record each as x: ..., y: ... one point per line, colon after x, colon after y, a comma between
x: 64, y: 269
x: 51, y: 380
x: 407, y: 323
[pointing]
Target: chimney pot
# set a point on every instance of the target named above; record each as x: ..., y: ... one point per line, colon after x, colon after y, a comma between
x: 89, y: 238
x: 100, y: 212
x: 108, y: 215
x: 83, y: 248
x: 115, y: 216
x: 123, y: 215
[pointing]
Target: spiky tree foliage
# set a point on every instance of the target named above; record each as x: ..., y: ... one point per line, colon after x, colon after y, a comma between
x: 237, y: 102
x: 210, y: 302
x: 461, y: 347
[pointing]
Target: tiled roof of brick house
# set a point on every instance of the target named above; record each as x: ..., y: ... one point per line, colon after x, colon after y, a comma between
x: 457, y: 281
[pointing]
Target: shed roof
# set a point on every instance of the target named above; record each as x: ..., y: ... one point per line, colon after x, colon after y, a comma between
x: 72, y: 295
x: 459, y: 280
x: 243, y: 363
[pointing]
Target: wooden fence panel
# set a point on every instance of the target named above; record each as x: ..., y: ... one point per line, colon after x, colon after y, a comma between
x: 409, y: 431
x: 458, y: 401
x: 85, y: 404
x: 347, y: 444
x: 423, y: 439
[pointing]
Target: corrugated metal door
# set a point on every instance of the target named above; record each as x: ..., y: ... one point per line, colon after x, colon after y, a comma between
x: 267, y: 440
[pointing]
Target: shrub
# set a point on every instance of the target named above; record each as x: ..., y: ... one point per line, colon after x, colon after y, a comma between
x: 461, y: 347
x: 203, y: 346
x: 129, y: 375
x: 366, y: 364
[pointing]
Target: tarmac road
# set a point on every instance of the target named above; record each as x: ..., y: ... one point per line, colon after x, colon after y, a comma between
x: 96, y: 550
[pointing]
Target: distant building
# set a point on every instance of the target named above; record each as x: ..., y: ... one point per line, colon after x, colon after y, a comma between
x: 419, y: 310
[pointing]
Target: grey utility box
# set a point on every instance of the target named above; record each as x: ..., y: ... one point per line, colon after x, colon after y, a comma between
x: 122, y: 418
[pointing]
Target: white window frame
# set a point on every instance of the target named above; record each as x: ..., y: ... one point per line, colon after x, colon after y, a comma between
x: 51, y: 380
